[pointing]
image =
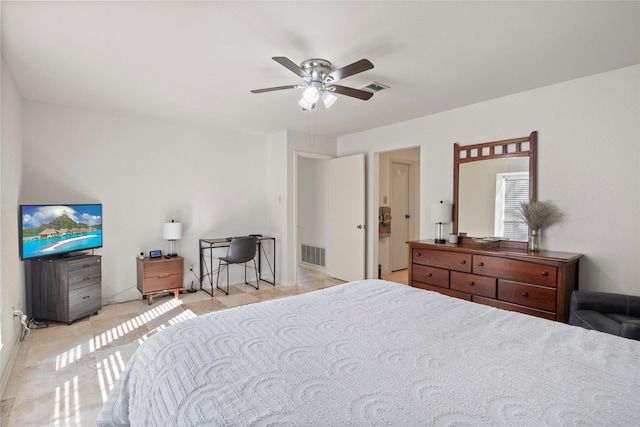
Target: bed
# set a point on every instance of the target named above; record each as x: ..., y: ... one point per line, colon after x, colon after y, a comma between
x: 377, y: 353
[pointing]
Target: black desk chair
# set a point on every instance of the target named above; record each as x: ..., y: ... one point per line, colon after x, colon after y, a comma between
x: 241, y: 251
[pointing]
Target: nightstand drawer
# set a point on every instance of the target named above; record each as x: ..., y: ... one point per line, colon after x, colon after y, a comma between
x: 163, y: 268
x: 473, y: 284
x: 442, y: 259
x: 529, y: 295
x: 431, y: 275
x: 163, y: 283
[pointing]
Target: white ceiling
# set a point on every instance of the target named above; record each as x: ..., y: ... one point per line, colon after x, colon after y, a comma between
x: 196, y: 62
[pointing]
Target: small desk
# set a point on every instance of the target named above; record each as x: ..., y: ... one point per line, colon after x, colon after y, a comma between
x: 211, y: 244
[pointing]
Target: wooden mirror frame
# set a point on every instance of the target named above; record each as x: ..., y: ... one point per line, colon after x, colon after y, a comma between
x: 508, y: 148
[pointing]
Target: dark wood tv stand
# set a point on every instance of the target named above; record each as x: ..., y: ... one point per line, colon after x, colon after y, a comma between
x: 64, y: 289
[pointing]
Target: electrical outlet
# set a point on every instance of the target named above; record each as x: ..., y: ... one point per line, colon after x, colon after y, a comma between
x: 190, y: 267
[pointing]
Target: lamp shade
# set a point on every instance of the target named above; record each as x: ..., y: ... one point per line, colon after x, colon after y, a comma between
x: 441, y: 212
x: 172, y: 230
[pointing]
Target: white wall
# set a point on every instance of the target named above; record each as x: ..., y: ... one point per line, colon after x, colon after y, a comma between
x: 313, y: 199
x: 588, y: 164
x: 12, y: 293
x: 278, y: 204
x: 145, y: 173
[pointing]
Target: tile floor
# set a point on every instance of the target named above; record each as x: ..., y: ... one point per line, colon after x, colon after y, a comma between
x: 63, y: 373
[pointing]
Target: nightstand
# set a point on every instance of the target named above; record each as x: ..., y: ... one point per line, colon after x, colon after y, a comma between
x: 160, y: 275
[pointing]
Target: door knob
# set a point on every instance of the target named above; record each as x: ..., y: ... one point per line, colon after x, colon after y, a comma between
x: 407, y: 216
x: 360, y: 226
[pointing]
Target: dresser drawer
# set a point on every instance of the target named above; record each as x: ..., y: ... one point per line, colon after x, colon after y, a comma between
x: 85, y: 281
x: 444, y: 291
x: 162, y: 268
x: 431, y: 275
x: 529, y: 295
x: 85, y: 277
x: 521, y: 271
x: 84, y: 301
x: 443, y: 259
x: 514, y: 307
x: 473, y: 284
x: 84, y: 263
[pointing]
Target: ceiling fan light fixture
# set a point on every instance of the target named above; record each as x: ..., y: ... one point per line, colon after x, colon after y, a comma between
x: 311, y: 93
x: 306, y: 105
x: 328, y: 99
x: 319, y: 77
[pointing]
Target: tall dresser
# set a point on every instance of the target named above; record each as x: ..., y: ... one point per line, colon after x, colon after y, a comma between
x: 506, y: 278
x: 64, y: 289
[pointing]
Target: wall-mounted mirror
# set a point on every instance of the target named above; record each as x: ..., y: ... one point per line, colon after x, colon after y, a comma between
x: 489, y: 182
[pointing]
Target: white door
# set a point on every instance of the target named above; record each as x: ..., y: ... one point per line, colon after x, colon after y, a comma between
x: 346, y: 218
x: 400, y: 215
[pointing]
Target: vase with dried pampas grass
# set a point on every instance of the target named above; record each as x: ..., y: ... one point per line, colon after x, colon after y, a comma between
x: 537, y: 215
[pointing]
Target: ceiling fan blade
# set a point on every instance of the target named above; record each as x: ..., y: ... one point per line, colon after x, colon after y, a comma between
x: 349, y: 70
x: 287, y: 63
x: 271, y: 89
x: 349, y: 91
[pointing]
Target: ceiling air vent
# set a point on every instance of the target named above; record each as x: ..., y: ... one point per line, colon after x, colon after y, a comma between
x: 374, y: 87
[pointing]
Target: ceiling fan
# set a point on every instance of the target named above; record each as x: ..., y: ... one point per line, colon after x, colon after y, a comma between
x: 319, y: 79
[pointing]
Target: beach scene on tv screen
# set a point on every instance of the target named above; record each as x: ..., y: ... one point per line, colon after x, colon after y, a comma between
x: 51, y: 230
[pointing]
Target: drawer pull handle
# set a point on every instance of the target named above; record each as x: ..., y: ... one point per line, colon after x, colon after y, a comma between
x: 471, y: 284
x: 545, y: 274
x: 418, y: 254
x: 85, y: 297
x: 463, y: 262
x: 429, y: 274
x: 480, y: 264
x: 524, y: 294
x: 86, y: 265
x: 163, y: 275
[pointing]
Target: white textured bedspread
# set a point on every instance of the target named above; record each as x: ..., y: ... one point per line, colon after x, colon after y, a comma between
x: 377, y: 353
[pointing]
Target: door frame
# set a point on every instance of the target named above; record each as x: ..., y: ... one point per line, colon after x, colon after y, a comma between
x: 411, y: 194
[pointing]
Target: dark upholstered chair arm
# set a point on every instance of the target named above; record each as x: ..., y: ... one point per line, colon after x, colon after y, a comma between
x: 602, y: 302
x: 634, y: 305
x: 630, y: 329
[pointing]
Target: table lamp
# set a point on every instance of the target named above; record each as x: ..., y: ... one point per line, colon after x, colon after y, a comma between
x: 172, y: 231
x: 440, y: 214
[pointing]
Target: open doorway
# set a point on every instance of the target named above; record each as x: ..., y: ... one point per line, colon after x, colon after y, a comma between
x: 330, y: 215
x: 398, y: 205
x: 311, y: 221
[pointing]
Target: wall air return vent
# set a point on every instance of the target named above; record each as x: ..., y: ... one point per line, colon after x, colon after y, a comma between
x: 313, y: 255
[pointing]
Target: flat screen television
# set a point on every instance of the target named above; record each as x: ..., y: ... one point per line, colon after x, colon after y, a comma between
x: 58, y: 230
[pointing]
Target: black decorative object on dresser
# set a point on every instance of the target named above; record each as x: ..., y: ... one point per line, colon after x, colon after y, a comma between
x: 503, y: 277
x: 64, y: 289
